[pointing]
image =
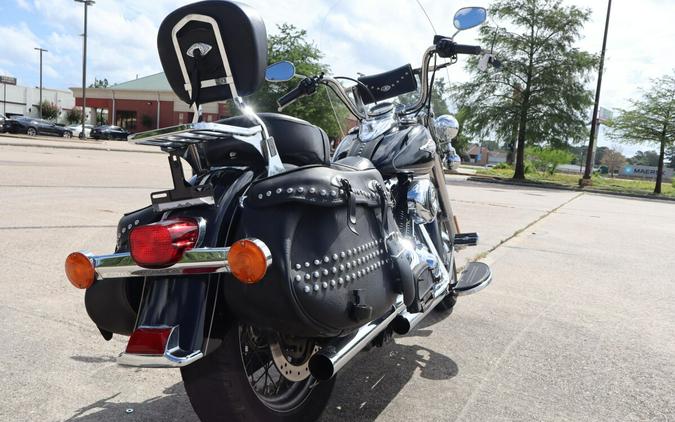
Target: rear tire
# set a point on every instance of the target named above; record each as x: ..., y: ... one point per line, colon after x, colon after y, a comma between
x: 31, y: 131
x: 219, y: 387
x: 67, y: 135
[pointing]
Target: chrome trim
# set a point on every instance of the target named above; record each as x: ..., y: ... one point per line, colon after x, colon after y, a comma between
x: 194, y: 261
x: 170, y: 359
x: 339, y: 90
x: 330, y: 359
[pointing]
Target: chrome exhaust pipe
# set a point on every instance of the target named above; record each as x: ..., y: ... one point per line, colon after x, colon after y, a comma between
x: 405, y: 322
x: 331, y: 358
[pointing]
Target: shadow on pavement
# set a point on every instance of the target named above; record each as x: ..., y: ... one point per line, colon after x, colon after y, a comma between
x: 373, y: 379
x: 363, y: 389
x: 173, y: 406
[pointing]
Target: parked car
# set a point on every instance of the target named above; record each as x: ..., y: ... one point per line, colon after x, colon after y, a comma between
x: 2, y: 123
x: 32, y: 127
x: 77, y: 130
x: 109, y: 132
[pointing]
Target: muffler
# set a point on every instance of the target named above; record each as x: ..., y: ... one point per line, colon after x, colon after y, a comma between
x: 331, y: 358
x: 405, y: 322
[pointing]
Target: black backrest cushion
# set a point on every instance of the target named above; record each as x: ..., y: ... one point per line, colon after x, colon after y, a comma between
x: 244, y: 38
x: 299, y: 142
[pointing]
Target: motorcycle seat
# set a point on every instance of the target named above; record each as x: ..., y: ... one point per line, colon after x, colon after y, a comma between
x: 299, y: 143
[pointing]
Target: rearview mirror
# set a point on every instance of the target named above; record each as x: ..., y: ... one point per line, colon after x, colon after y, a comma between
x: 280, y: 72
x: 469, y: 17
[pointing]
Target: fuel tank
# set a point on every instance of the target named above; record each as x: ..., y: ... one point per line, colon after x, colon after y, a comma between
x: 408, y: 149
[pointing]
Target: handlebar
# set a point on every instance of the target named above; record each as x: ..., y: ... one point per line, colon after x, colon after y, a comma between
x: 444, y: 47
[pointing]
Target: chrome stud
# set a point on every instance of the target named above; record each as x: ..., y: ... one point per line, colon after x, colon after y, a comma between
x: 358, y: 261
x: 347, y: 279
x: 124, y: 229
x: 343, y: 255
x: 298, y: 277
x: 307, y: 264
x: 326, y: 259
x: 349, y: 266
x: 341, y: 280
x: 353, y: 276
x: 332, y: 283
x: 324, y: 271
x: 317, y: 262
x: 316, y: 274
x: 335, y: 257
x: 307, y: 289
x: 312, y: 190
x: 301, y: 189
x: 324, y: 192
x: 342, y: 267
x: 334, y: 270
x: 333, y: 193
x: 289, y: 190
x: 268, y: 193
x: 324, y: 285
x: 316, y: 287
x: 279, y: 190
x: 298, y: 266
x: 260, y: 196
x: 349, y: 253
x: 129, y: 226
x: 308, y: 277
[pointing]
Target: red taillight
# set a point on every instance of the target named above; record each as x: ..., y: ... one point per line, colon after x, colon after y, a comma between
x: 148, y: 341
x: 162, y: 244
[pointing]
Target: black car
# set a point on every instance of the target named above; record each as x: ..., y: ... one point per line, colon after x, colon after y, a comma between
x: 32, y: 127
x: 109, y: 132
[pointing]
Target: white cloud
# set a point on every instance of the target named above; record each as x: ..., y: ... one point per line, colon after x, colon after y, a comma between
x: 24, y: 4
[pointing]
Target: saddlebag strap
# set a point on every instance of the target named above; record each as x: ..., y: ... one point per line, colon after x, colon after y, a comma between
x: 351, y: 205
x: 195, y: 80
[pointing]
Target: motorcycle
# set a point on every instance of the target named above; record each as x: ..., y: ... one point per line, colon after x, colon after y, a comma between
x: 265, y: 272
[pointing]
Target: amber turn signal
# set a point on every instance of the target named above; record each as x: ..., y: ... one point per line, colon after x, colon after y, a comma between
x: 80, y: 270
x: 248, y: 260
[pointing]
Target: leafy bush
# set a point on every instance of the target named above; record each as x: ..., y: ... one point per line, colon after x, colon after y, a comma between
x: 49, y: 110
x: 547, y: 160
x: 74, y: 115
x: 503, y: 166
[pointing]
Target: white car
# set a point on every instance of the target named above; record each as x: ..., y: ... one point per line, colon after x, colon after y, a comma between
x: 77, y: 130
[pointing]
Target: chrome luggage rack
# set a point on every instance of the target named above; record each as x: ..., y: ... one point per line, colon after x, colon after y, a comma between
x: 184, y: 135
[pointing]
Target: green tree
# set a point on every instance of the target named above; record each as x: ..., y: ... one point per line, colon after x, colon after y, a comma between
x: 49, y: 110
x: 547, y: 160
x: 74, y: 115
x: 539, y: 94
x: 645, y: 158
x: 649, y: 119
x: 100, y: 83
x: 439, y: 97
x: 291, y: 44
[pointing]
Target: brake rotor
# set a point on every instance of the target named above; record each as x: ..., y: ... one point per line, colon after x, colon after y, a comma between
x: 291, y: 360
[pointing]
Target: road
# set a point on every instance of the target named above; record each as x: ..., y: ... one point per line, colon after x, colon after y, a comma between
x: 579, y: 323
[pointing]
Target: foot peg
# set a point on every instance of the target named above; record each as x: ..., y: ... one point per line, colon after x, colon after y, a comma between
x: 466, y: 239
x: 475, y: 277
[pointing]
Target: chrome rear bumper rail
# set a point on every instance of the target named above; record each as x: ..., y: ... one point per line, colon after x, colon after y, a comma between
x: 194, y: 261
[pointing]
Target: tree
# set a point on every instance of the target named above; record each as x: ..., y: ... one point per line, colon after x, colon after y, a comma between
x: 291, y: 44
x: 49, y: 110
x: 646, y: 158
x: 74, y: 115
x: 539, y: 94
x: 650, y: 118
x: 99, y: 83
x: 614, y: 160
x: 547, y: 160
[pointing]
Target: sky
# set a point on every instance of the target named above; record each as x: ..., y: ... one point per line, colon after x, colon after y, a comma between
x: 366, y: 36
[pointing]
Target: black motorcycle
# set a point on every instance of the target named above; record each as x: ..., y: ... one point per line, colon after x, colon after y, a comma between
x: 273, y: 265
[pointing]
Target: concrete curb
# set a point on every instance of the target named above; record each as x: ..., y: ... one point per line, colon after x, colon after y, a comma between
x: 59, y: 143
x: 500, y: 181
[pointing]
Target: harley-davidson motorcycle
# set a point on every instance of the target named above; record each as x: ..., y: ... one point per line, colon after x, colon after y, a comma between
x: 274, y: 264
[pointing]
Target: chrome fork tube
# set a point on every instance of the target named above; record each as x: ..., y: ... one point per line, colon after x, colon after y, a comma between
x: 446, y: 209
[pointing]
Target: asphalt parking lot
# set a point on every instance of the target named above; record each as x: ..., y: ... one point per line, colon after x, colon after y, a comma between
x: 579, y: 323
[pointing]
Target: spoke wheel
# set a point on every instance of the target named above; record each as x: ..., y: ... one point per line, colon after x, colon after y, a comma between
x: 276, y: 370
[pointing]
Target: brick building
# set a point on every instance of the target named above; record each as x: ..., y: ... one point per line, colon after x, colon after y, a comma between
x: 143, y: 104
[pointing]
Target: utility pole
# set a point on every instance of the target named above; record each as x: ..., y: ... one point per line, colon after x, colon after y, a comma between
x: 586, y: 180
x: 41, y: 50
x: 86, y: 3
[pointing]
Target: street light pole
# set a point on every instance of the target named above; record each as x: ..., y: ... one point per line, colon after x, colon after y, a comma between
x: 86, y: 3
x: 41, y: 50
x: 586, y: 180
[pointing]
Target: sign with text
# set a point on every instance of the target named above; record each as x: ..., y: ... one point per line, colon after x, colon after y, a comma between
x: 646, y: 172
x: 9, y: 80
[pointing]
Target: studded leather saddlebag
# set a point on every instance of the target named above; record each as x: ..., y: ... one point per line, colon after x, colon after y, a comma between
x: 330, y: 272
